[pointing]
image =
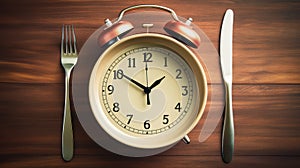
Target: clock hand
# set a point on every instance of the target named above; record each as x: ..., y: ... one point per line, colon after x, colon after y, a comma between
x: 154, y: 84
x: 135, y: 82
x: 147, y: 90
x: 146, y: 69
x: 148, y: 96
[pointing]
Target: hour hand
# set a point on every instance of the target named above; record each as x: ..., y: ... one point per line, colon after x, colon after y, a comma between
x: 156, y: 82
x: 135, y: 82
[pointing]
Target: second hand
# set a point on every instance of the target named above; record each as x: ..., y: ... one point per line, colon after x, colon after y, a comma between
x: 147, y: 85
x: 146, y: 68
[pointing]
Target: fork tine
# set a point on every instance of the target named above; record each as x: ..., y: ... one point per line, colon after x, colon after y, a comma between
x: 67, y: 40
x: 62, y: 39
x: 70, y: 39
x: 74, y: 40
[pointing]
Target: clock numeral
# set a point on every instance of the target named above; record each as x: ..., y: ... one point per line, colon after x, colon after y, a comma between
x: 131, y: 62
x: 116, y: 107
x: 178, y: 76
x: 148, y: 57
x: 110, y: 89
x: 147, y: 124
x: 166, y: 62
x: 130, y: 117
x: 185, y: 90
x: 118, y: 74
x: 178, y: 107
x: 165, y: 119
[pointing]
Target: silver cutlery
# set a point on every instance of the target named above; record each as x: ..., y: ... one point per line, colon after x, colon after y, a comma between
x: 226, y: 66
x: 69, y: 58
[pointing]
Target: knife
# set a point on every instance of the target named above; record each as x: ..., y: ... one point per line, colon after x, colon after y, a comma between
x: 226, y: 66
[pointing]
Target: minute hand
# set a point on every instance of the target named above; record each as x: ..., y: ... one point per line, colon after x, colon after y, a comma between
x: 135, y: 82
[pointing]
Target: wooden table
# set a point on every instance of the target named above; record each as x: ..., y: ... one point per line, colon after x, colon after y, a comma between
x: 266, y: 90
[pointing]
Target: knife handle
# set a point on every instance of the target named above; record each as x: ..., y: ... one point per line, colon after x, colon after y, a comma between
x: 228, y: 126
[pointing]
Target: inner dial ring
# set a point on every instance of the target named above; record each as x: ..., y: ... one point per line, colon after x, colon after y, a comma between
x: 125, y: 102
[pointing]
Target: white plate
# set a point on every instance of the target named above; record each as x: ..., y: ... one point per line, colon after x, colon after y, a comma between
x: 88, y: 56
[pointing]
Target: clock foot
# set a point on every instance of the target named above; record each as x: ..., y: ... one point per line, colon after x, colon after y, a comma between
x: 186, y: 139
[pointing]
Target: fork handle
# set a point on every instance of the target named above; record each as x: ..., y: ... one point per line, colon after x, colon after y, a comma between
x: 228, y: 126
x: 67, y: 131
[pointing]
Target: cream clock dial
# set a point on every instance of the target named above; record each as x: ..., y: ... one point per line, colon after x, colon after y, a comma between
x: 148, y: 90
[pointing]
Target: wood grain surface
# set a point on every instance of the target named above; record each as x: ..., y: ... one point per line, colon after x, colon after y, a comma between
x: 266, y: 90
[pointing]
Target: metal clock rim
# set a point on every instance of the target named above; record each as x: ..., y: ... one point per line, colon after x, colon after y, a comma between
x: 201, y: 70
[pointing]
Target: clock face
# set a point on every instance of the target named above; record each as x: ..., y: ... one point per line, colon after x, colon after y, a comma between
x: 147, y: 91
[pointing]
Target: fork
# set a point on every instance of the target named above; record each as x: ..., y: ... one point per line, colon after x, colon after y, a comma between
x: 69, y: 58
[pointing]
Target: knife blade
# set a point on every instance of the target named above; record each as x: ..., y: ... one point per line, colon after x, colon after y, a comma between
x: 226, y: 66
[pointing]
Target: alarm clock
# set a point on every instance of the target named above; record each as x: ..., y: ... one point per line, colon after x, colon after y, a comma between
x: 147, y: 89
